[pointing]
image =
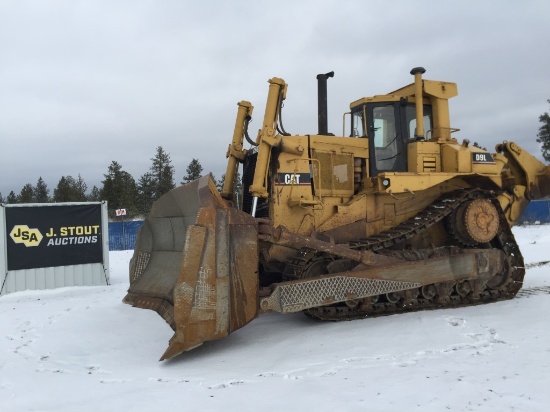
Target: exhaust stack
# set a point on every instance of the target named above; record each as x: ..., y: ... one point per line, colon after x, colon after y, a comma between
x: 322, y: 102
x: 417, y: 72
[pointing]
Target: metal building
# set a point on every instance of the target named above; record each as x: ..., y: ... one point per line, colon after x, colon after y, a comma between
x: 51, y: 245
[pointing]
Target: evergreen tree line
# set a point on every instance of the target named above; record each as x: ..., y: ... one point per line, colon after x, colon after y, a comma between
x: 119, y: 188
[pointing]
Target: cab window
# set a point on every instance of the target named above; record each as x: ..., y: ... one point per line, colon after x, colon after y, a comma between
x: 410, y: 114
x: 357, y: 124
x: 385, y: 137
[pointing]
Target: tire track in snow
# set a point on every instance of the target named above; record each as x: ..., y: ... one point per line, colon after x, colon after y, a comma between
x: 532, y: 291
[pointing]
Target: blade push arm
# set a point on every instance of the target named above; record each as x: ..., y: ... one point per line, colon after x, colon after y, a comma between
x: 267, y: 137
x: 235, y: 152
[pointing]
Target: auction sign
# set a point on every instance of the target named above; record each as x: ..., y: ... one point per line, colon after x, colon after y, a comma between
x: 48, y: 236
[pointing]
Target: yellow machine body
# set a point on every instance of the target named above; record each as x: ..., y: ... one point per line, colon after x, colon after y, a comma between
x: 394, y: 215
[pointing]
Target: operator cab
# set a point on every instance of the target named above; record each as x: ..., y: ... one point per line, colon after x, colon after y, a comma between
x: 389, y: 126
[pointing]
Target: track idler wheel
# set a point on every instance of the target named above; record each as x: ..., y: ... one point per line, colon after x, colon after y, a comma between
x: 476, y: 222
x: 394, y: 297
x: 428, y: 292
x: 463, y: 288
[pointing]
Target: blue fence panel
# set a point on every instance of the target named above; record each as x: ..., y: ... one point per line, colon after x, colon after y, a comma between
x: 122, y: 235
x: 536, y: 211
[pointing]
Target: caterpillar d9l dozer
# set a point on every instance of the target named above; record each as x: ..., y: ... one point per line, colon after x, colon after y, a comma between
x: 396, y: 216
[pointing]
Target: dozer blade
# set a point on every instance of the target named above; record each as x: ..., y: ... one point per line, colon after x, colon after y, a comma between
x: 195, y: 263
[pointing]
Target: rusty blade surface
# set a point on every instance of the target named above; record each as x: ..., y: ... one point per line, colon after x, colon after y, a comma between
x: 217, y: 288
x: 195, y: 263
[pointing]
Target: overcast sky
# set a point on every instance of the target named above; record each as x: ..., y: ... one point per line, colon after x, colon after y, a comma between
x: 83, y: 83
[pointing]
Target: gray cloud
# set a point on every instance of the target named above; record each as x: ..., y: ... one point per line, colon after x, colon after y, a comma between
x: 84, y: 83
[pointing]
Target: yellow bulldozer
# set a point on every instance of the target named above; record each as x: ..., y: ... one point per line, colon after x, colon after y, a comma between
x: 394, y: 215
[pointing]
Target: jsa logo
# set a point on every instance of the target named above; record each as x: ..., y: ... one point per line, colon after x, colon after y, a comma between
x: 23, y: 234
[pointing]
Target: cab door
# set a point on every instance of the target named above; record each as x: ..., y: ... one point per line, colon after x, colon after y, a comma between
x: 387, y: 141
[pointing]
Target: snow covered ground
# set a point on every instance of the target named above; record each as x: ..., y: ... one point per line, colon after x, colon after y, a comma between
x: 82, y: 349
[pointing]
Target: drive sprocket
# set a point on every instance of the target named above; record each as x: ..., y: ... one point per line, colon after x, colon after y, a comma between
x: 475, y: 222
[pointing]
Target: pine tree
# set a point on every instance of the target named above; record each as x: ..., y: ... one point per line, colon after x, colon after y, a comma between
x: 27, y: 194
x: 65, y: 190
x: 2, y: 200
x: 166, y: 183
x: 41, y: 192
x: 146, y: 189
x: 162, y: 173
x: 80, y: 188
x: 129, y: 194
x: 12, y: 198
x: 119, y: 190
x: 94, y: 195
x: 544, y: 135
x: 194, y: 171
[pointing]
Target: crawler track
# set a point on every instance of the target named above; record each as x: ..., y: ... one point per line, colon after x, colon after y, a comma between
x: 503, y: 286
